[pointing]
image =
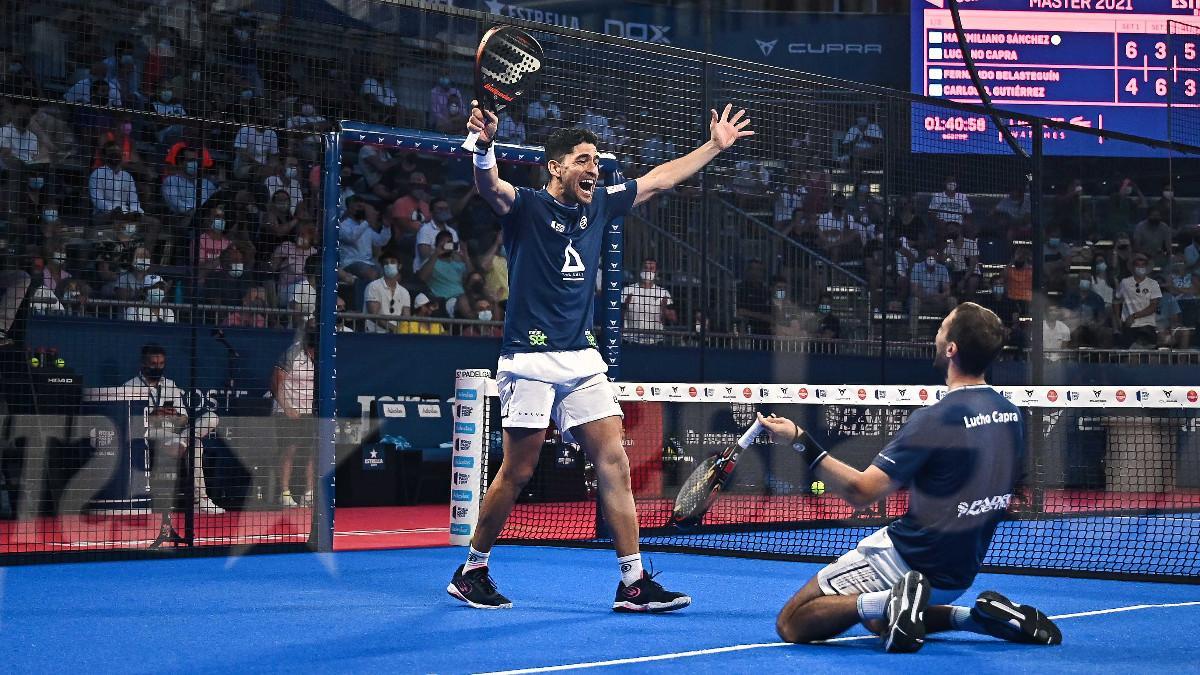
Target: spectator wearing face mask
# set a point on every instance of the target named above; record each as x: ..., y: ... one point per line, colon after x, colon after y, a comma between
x: 442, y: 101
x: 289, y: 258
x: 1087, y: 314
x: 114, y: 197
x: 360, y: 233
x: 440, y: 220
x: 121, y: 135
x: 155, y: 293
x: 483, y: 312
x: 48, y: 225
x: 253, y: 312
x: 286, y: 177
x: 189, y: 188
x: 1185, y: 287
x: 824, y: 324
x: 1055, y: 332
x: 54, y: 270
x: 930, y: 286
x: 254, y: 147
x: 646, y: 306
x: 278, y: 224
x: 301, y: 297
x: 445, y: 271
x: 476, y: 290
x: 226, y: 284
x: 387, y: 297
x: 1056, y: 259
x: 409, y: 213
x: 166, y: 104
x: 1135, y: 306
x: 131, y: 282
x: 949, y: 207
x: 424, y: 307
x: 308, y: 146
x: 340, y: 308
x: 1101, y: 276
x: 74, y: 295
x: 214, y: 240
x: 1120, y: 263
x: 1153, y: 237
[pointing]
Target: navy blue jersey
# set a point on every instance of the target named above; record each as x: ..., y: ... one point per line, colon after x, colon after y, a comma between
x: 553, y: 257
x: 961, y: 459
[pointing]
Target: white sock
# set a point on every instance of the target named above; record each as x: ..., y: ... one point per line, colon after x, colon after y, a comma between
x: 475, y: 560
x: 873, y: 606
x: 960, y: 619
x: 631, y: 568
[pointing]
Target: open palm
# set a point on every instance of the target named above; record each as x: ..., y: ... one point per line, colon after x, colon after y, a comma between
x: 725, y: 130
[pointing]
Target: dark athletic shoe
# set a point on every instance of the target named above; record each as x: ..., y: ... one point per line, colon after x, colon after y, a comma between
x: 905, y: 631
x: 647, y: 595
x: 477, y: 589
x: 1007, y: 620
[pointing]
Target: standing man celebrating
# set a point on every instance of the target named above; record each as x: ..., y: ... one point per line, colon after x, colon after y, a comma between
x: 549, y: 367
x: 961, y: 458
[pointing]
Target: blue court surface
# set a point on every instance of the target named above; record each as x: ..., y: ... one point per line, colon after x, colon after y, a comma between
x: 387, y: 611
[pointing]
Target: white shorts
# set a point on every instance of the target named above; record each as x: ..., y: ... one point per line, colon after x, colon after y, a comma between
x: 874, y: 565
x: 568, y: 387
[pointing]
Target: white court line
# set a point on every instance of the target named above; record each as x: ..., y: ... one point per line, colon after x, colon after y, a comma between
x: 764, y: 645
x: 368, y: 533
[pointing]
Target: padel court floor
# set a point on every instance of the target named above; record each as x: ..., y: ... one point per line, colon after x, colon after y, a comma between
x: 387, y: 611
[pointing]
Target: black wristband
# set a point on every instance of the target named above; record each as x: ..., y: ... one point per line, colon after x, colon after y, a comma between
x: 807, y: 446
x: 482, y: 146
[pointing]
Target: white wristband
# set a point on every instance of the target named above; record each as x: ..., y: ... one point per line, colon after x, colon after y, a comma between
x: 487, y: 160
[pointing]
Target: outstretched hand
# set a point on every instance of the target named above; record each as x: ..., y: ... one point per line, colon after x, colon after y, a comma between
x: 483, y: 122
x: 726, y: 130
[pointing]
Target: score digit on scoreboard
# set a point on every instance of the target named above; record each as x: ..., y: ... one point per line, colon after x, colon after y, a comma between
x: 1113, y: 64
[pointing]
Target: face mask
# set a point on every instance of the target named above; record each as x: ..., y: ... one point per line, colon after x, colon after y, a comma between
x: 649, y: 277
x: 444, y: 82
x: 71, y: 296
x: 307, y: 110
x: 997, y: 290
x: 951, y: 187
x: 126, y: 128
x: 302, y: 242
x: 485, y: 315
x: 155, y: 295
x: 1168, y: 194
x: 1101, y: 268
x: 131, y: 229
x: 1085, y: 284
x: 236, y: 269
x: 50, y: 216
x: 931, y: 261
x: 823, y: 309
x: 1139, y: 271
x: 1054, y: 242
x: 390, y: 270
x: 442, y: 215
x: 448, y: 246
x: 37, y: 183
x: 218, y: 224
x: 247, y: 93
x: 291, y: 172
x: 192, y: 167
x: 59, y: 258
x: 141, y: 264
x: 780, y: 294
x: 152, y: 373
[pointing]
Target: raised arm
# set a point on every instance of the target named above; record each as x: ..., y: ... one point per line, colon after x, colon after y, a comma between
x: 723, y: 133
x: 499, y: 194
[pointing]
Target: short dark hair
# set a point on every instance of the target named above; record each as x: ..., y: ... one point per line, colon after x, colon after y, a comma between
x: 152, y: 349
x: 563, y: 141
x: 979, y: 335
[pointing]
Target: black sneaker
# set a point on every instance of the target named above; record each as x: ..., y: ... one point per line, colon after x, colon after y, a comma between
x: 647, y: 595
x: 906, y: 614
x: 1007, y: 620
x: 477, y: 589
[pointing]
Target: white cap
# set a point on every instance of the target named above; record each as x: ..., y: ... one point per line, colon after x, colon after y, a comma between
x: 420, y: 301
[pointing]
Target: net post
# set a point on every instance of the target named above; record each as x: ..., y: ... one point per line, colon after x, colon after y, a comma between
x: 326, y: 459
x: 1037, y: 438
x: 466, y: 464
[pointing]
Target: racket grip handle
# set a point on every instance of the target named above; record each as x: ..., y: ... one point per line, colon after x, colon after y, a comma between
x: 751, y: 434
x: 469, y: 143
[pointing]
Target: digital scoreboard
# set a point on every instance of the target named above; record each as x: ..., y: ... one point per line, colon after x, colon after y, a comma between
x: 1124, y: 65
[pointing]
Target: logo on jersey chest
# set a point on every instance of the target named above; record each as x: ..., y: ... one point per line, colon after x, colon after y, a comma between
x: 560, y: 228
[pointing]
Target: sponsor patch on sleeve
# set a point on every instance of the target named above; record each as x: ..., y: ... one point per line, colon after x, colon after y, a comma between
x: 614, y: 189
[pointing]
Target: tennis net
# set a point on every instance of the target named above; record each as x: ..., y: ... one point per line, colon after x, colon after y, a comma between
x: 1111, y: 483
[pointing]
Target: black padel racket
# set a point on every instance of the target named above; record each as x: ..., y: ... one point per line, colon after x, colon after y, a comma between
x: 700, y: 490
x: 506, y: 63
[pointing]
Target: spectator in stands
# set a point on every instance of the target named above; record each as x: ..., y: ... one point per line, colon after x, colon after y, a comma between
x: 1135, y: 306
x: 543, y: 114
x: 226, y: 284
x: 1012, y: 211
x: 1174, y: 213
x: 74, y: 295
x: 115, y: 198
x: 292, y: 386
x: 930, y: 286
x: 131, y: 282
x: 1153, y: 236
x: 96, y: 88
x: 31, y: 203
x: 841, y: 237
x: 1121, y: 263
x: 253, y: 312
x: 511, y: 127
x: 18, y: 148
x: 1018, y: 279
x: 167, y: 105
x: 1056, y: 259
x: 1067, y: 209
x: 408, y: 214
x: 440, y: 220
x: 824, y: 324
x: 381, y: 169
x: 378, y: 92
x: 446, y: 107
x: 1087, y: 313
x: 340, y: 308
x: 300, y: 298
x: 242, y: 50
x: 1101, y: 279
x: 290, y: 257
x: 1191, y: 248
x: 122, y: 67
x: 646, y: 306
x: 1185, y: 287
x: 54, y: 270
x: 754, y: 299
x: 595, y: 121
x: 961, y: 252
x: 1055, y: 333
x: 14, y: 283
x: 425, y: 307
x: 483, y: 310
x: 284, y: 175
x: 121, y: 134
x: 786, y: 315
x: 387, y: 297
x: 15, y: 77
x: 308, y: 147
x: 445, y: 271
x: 1124, y: 206
x: 278, y: 224
x: 654, y: 148
x: 494, y: 266
x: 1172, y: 332
x: 154, y: 294
x: 360, y: 233
x: 817, y: 189
x: 910, y: 229
x: 861, y: 141
x: 789, y: 200
x: 475, y: 291
x: 189, y: 188
x: 213, y: 242
x: 948, y: 207
x: 253, y: 146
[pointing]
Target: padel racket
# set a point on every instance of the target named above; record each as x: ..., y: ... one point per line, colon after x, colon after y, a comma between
x: 506, y: 63
x: 700, y: 490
